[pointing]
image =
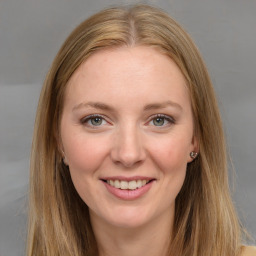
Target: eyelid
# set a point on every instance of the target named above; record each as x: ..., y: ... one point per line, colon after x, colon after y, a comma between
x: 170, y: 119
x: 87, y: 118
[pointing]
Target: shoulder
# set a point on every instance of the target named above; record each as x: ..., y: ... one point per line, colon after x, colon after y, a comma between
x: 249, y: 251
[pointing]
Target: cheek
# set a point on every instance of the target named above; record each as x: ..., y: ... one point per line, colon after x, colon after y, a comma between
x: 171, y: 154
x: 171, y: 158
x: 84, y: 154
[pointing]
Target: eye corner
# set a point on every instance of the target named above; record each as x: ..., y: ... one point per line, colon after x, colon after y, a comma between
x: 164, y: 121
x: 94, y: 121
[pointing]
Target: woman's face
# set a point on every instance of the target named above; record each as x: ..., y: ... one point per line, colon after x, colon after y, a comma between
x: 127, y: 132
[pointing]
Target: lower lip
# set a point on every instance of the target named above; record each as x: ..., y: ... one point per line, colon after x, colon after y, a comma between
x: 127, y: 194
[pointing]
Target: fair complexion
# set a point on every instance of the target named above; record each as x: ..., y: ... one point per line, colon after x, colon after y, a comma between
x: 127, y: 121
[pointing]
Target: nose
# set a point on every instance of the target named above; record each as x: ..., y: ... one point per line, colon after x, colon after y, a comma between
x: 128, y: 149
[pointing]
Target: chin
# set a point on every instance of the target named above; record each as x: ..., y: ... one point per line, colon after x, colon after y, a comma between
x: 128, y: 223
x: 129, y: 217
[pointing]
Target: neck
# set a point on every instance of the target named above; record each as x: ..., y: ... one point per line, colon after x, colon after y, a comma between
x: 152, y: 239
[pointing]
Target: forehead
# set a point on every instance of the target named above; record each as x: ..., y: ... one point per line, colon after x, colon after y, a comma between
x: 132, y: 73
x: 139, y: 58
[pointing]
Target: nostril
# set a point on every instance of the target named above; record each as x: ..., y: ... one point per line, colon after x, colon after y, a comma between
x: 128, y: 153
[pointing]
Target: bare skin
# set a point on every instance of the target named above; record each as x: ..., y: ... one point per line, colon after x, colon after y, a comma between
x: 127, y: 117
x: 150, y: 239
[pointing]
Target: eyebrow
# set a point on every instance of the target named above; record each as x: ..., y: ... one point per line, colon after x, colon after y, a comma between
x: 103, y: 106
x: 162, y: 105
x: 97, y: 105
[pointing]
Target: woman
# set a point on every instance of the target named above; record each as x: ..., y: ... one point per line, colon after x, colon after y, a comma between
x: 128, y: 153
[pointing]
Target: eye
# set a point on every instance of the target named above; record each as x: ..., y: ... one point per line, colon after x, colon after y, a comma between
x: 96, y: 121
x: 161, y: 120
x: 93, y: 120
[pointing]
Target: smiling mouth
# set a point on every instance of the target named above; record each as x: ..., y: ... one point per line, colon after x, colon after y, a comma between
x: 127, y: 185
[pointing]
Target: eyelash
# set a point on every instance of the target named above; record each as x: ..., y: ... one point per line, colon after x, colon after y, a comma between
x: 169, y: 119
x: 90, y: 117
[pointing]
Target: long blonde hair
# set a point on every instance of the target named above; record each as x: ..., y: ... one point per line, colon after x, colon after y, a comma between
x: 205, y: 220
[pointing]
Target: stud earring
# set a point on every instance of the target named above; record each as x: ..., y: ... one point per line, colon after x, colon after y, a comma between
x: 193, y: 155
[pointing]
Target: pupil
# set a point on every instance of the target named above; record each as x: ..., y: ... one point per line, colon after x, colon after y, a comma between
x: 158, y: 121
x: 96, y: 121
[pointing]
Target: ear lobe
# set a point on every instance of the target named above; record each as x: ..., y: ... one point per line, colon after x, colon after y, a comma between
x: 64, y: 158
x: 61, y: 152
x: 192, y: 156
x: 194, y: 149
x: 65, y: 161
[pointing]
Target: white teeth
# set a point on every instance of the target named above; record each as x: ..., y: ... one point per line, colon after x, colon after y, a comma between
x: 116, y: 184
x: 124, y: 184
x: 131, y: 185
x: 139, y: 183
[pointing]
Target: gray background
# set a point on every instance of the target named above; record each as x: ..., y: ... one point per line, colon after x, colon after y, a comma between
x: 31, y: 32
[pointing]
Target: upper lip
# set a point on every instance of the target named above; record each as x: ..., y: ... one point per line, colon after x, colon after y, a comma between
x: 124, y: 178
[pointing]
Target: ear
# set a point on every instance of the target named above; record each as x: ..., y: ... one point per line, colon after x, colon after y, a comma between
x: 65, y: 161
x: 61, y: 151
x: 194, y: 150
x: 64, y: 158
